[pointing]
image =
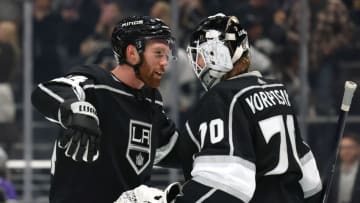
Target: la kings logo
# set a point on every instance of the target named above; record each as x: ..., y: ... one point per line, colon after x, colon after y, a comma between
x: 139, y: 147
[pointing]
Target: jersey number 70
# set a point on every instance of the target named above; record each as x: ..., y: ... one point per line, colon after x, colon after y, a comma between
x: 273, y: 126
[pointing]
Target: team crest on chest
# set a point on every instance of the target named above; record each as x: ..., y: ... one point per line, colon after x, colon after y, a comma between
x: 139, y: 146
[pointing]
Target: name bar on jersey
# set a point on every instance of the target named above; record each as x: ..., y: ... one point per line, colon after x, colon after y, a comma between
x: 261, y: 100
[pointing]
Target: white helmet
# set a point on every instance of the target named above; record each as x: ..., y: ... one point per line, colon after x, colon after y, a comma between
x: 218, y: 42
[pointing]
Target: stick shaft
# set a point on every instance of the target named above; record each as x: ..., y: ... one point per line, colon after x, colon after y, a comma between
x: 350, y: 88
x: 339, y: 133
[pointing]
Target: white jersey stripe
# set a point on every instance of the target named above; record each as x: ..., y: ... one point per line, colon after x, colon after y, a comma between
x: 192, y: 135
x: 74, y: 83
x: 156, y: 101
x: 207, y: 195
x: 208, y: 170
x: 57, y: 98
x: 54, y: 121
x: 163, y: 151
x: 111, y: 89
x: 310, y: 182
x: 51, y: 93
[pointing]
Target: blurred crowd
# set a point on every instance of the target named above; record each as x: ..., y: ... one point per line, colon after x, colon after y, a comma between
x: 67, y: 33
x: 71, y: 32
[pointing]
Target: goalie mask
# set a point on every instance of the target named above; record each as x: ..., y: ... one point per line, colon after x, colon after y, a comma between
x: 218, y: 42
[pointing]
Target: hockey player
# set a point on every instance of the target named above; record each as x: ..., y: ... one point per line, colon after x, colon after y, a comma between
x: 243, y: 134
x: 114, y: 125
x: 242, y: 141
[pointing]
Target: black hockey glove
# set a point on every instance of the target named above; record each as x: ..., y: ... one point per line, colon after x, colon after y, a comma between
x: 81, y: 139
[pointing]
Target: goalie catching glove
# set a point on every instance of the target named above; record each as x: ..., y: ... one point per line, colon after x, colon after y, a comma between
x: 145, y: 194
x: 81, y: 139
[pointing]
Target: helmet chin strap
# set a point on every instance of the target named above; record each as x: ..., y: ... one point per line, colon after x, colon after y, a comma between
x: 136, y: 67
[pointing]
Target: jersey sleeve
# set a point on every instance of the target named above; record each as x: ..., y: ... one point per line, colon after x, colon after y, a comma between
x: 165, y: 155
x: 193, y: 191
x: 188, y: 146
x: 310, y: 182
x: 48, y: 96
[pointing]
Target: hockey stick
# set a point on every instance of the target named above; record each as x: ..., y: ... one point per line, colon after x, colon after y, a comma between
x: 345, y: 107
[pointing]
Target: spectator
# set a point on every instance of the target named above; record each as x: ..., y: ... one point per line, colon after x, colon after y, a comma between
x: 330, y: 30
x: 46, y: 33
x: 346, y: 182
x: 135, y: 7
x: 110, y: 14
x: 6, y: 187
x: 354, y: 8
x: 161, y: 9
x: 9, y: 33
x: 78, y: 20
x: 265, y: 31
x: 191, y: 12
x: 10, y: 10
x: 260, y: 10
x: 95, y: 48
x: 104, y: 57
x: 9, y: 55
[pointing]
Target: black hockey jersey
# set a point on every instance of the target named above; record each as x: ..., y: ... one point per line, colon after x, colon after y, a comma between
x: 243, y: 145
x: 135, y: 135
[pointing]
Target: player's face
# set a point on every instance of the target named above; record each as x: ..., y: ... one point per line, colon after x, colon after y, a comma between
x: 201, y: 61
x: 156, y: 60
x: 349, y: 150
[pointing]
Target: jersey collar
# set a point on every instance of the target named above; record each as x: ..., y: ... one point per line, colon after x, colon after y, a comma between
x: 252, y: 73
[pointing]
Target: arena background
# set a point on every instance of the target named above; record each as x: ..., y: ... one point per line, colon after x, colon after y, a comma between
x: 312, y: 46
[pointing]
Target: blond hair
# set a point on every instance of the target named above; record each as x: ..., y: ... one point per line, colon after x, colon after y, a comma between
x: 9, y: 34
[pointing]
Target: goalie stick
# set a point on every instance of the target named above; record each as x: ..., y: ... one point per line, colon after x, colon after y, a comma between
x: 345, y: 107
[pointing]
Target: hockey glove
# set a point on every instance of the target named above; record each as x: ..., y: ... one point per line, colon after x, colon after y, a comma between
x: 81, y: 139
x: 145, y: 194
x: 173, y: 190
